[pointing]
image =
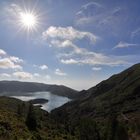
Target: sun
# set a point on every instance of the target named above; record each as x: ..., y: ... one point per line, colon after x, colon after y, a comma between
x: 28, y: 20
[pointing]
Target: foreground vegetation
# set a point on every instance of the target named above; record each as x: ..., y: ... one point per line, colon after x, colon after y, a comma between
x: 21, y: 121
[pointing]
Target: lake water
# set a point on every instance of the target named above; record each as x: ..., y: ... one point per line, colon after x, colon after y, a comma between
x: 54, y: 100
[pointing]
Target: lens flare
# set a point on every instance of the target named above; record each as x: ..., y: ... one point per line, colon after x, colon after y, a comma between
x: 28, y: 20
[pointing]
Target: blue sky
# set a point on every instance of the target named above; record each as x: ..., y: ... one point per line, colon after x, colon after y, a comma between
x: 77, y: 43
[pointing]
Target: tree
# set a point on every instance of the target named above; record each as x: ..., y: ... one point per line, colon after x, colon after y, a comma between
x: 115, y: 129
x: 31, y: 118
x: 88, y: 130
x: 19, y: 110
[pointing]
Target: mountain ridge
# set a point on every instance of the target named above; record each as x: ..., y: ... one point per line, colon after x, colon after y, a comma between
x: 19, y: 88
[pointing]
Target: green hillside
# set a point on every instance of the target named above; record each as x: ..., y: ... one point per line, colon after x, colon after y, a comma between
x: 14, y: 126
x: 113, y: 104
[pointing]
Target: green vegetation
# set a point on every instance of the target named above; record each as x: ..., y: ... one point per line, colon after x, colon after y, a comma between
x: 88, y: 130
x: 113, y: 104
x: 108, y: 111
x: 31, y: 121
x: 21, y: 121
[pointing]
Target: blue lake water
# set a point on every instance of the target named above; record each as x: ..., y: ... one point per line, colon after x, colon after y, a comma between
x: 54, y: 100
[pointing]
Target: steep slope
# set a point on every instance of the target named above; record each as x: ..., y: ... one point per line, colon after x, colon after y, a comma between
x: 117, y: 96
x: 18, y: 88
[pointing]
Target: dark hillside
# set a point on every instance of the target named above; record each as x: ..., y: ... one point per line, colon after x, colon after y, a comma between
x: 19, y: 88
x: 118, y: 96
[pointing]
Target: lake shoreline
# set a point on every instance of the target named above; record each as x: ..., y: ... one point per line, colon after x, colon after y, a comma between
x: 50, y: 101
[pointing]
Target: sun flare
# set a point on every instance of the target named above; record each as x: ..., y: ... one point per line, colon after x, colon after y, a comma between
x: 28, y: 20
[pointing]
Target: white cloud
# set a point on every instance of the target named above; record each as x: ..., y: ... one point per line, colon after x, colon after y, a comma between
x: 14, y: 9
x: 9, y: 62
x: 15, y: 59
x: 68, y: 33
x: 43, y: 67
x: 5, y: 75
x: 125, y: 45
x: 114, y: 18
x: 2, y: 52
x: 82, y: 56
x: 34, y: 65
x: 12, y: 13
x: 67, y: 44
x: 73, y: 54
x: 40, y: 77
x: 6, y: 63
x: 69, y: 61
x: 92, y: 58
x: 89, y: 9
x: 64, y: 38
x: 36, y: 74
x: 48, y: 77
x: 23, y: 75
x: 91, y: 4
x: 96, y: 68
x: 135, y: 33
x: 102, y: 18
x: 90, y: 12
x: 62, y: 44
x: 60, y: 73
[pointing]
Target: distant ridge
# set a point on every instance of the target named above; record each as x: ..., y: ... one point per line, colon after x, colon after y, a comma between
x: 20, y: 88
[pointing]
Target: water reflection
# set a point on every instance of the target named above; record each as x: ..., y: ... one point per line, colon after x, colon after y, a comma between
x: 54, y: 100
